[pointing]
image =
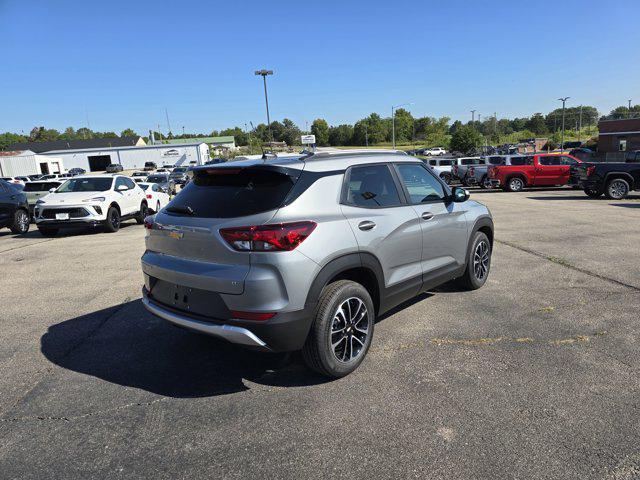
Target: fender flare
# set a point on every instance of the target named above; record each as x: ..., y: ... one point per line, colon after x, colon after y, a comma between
x: 342, y: 264
x: 626, y: 176
x: 483, y: 221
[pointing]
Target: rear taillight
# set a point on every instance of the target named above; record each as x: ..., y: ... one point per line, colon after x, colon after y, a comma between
x: 268, y: 238
x: 149, y: 196
x: 455, y: 169
x: 148, y: 222
x: 590, y: 170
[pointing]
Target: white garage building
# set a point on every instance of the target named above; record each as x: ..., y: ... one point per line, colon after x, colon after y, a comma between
x: 133, y: 157
x: 20, y: 163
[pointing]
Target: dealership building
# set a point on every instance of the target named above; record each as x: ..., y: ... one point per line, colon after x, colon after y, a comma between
x: 132, y: 153
x: 132, y: 158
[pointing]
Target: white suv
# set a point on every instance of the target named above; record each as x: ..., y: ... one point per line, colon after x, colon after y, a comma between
x: 91, y: 201
x: 435, y: 151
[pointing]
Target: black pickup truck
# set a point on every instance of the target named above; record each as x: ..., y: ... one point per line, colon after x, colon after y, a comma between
x: 615, y: 180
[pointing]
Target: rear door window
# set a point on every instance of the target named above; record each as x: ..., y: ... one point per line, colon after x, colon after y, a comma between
x: 521, y: 160
x: 371, y: 186
x: 227, y: 193
x: 549, y: 160
x: 445, y: 163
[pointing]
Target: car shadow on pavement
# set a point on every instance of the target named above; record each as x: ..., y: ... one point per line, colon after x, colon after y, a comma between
x: 581, y: 197
x: 127, y: 346
x: 627, y: 205
x: 33, y: 232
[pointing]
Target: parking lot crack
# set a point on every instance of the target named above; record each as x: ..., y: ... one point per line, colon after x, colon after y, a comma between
x: 84, y: 415
x: 564, y: 263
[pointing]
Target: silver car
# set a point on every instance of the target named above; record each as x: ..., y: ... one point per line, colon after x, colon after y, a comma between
x: 305, y: 253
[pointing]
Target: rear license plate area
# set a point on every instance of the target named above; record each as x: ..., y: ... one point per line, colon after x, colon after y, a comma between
x: 189, y: 300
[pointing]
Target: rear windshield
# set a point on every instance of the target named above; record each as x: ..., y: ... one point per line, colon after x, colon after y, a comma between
x: 40, y: 186
x: 158, y: 179
x: 237, y: 194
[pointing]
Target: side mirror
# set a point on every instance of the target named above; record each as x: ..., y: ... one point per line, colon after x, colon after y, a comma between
x: 51, y: 190
x: 459, y: 194
x: 122, y: 188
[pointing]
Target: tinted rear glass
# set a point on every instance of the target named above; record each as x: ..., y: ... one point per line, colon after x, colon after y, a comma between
x: 40, y: 187
x: 158, y: 179
x: 237, y: 194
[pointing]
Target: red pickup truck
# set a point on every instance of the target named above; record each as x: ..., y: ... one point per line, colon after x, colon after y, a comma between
x: 538, y: 170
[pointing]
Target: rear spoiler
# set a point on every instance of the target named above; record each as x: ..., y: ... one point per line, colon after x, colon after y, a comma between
x: 293, y: 173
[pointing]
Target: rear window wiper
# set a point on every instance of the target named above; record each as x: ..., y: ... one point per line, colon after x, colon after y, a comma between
x: 184, y: 209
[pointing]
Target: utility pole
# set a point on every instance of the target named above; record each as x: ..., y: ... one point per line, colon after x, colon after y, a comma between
x: 563, y: 100
x: 264, y: 74
x: 580, y: 129
x: 183, y: 132
x: 167, y: 115
x: 629, y: 101
x: 366, y: 135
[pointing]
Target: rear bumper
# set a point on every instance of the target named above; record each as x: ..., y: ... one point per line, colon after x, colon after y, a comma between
x: 285, y: 332
x: 234, y: 334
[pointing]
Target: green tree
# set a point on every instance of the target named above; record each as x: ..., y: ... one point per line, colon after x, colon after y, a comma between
x: 127, y: 132
x: 537, y: 124
x: 240, y: 137
x: 9, y: 138
x: 455, y: 126
x: 403, y: 125
x: 320, y: 128
x: 465, y: 139
x: 341, y: 135
x: 291, y: 133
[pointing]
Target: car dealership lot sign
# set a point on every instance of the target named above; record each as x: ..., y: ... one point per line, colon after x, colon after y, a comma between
x: 308, y: 139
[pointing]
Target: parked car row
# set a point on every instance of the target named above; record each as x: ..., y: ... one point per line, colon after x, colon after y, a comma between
x: 614, y: 180
x: 516, y: 172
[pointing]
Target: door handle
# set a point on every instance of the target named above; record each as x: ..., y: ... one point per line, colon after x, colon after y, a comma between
x: 427, y: 216
x: 366, y: 225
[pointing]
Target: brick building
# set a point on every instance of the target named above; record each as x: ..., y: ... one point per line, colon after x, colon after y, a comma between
x: 619, y: 135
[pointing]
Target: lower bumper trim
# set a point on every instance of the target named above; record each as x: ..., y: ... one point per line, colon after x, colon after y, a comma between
x: 231, y: 333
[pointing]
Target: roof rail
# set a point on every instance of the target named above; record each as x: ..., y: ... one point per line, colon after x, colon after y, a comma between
x: 353, y: 153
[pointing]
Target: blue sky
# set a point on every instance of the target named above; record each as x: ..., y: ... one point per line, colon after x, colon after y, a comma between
x: 122, y: 63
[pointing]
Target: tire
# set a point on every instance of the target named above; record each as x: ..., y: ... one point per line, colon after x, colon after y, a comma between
x: 48, y: 232
x: 515, y: 184
x: 478, y: 263
x: 351, y: 336
x: 21, y: 221
x: 617, y: 189
x: 142, y: 213
x: 112, y: 223
x: 592, y: 192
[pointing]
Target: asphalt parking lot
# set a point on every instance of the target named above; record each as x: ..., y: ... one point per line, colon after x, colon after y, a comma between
x: 536, y: 375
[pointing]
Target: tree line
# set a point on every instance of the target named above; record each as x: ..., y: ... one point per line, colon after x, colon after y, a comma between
x: 371, y: 130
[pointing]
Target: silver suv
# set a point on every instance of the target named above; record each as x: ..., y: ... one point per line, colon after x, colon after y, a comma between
x: 305, y: 253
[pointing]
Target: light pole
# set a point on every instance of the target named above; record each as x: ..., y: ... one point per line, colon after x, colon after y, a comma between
x: 563, y: 100
x: 473, y: 116
x: 629, y: 101
x: 393, y: 121
x: 264, y: 74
